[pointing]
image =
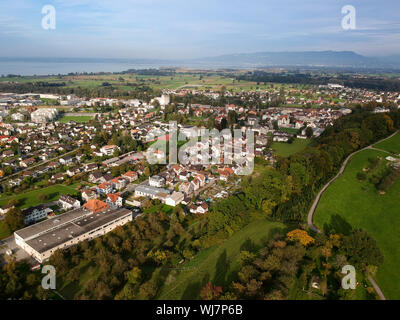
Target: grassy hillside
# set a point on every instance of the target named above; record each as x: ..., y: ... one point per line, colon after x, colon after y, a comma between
x: 391, y: 145
x: 217, y: 264
x: 358, y: 203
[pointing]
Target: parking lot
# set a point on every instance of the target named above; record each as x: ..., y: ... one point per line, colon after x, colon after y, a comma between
x: 9, y: 243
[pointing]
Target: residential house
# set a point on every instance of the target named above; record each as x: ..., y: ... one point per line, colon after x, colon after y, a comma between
x: 34, y: 214
x: 196, y: 184
x: 90, y: 167
x: 119, y: 183
x: 186, y: 187
x: 73, y: 171
x: 57, y: 177
x: 6, y: 208
x: 199, y: 209
x: 156, y: 181
x: 96, y: 177
x: 131, y: 176
x: 27, y: 162
x: 67, y: 202
x: 109, y: 150
x: 174, y: 199
x: 114, y: 200
x: 67, y: 160
x: 96, y: 205
x: 89, y: 194
x: 105, y: 188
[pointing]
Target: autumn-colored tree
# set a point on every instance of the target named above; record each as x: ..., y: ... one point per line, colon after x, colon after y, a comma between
x: 159, y: 256
x: 134, y: 275
x: 210, y: 292
x: 301, y: 235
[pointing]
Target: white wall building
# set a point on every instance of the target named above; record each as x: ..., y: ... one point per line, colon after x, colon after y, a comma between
x: 44, y: 115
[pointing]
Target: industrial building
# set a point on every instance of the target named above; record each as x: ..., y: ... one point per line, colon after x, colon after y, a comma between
x: 93, y: 219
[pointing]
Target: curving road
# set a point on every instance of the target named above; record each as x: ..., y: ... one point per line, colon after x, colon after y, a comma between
x: 316, y: 201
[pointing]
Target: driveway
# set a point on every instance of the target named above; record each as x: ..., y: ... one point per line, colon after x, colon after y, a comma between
x: 9, y: 243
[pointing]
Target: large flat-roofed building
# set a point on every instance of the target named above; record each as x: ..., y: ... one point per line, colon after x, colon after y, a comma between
x: 43, y: 239
x: 151, y: 192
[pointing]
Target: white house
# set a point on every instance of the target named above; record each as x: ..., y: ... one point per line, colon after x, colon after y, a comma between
x: 174, y: 199
x: 114, y: 200
x: 109, y: 150
x: 67, y: 202
x: 156, y: 181
x: 34, y: 214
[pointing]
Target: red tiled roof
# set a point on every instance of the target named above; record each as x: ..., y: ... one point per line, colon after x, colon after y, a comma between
x: 131, y: 174
x: 113, y: 196
x: 96, y: 205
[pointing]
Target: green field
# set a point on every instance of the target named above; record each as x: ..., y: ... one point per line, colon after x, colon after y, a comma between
x: 358, y: 203
x: 392, y: 145
x: 77, y: 119
x: 30, y: 198
x: 289, y: 130
x: 217, y: 264
x: 184, y: 79
x: 285, y: 149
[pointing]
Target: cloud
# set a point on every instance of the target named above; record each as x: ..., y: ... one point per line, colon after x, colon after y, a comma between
x: 197, y: 28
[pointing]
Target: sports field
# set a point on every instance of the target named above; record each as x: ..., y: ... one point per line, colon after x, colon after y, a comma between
x: 77, y: 119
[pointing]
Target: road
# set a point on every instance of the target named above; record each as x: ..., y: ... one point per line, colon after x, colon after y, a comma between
x: 38, y: 165
x: 344, y: 165
x: 316, y: 201
x: 376, y: 287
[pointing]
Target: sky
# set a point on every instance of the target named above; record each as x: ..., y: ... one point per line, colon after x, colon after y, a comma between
x: 176, y: 29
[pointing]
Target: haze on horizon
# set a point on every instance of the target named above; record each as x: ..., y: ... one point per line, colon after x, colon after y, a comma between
x: 178, y: 29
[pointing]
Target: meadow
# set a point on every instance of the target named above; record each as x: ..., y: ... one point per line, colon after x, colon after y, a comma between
x: 30, y: 198
x: 285, y: 149
x: 351, y: 202
x: 391, y: 145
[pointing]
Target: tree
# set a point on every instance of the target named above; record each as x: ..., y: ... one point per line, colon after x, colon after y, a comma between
x: 147, y: 291
x: 43, y: 197
x: 210, y: 292
x: 134, y: 275
x: 14, y: 219
x: 309, y: 132
x: 301, y: 235
x: 361, y: 249
x: 13, y: 202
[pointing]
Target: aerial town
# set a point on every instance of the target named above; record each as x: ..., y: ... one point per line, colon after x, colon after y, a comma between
x: 40, y: 150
